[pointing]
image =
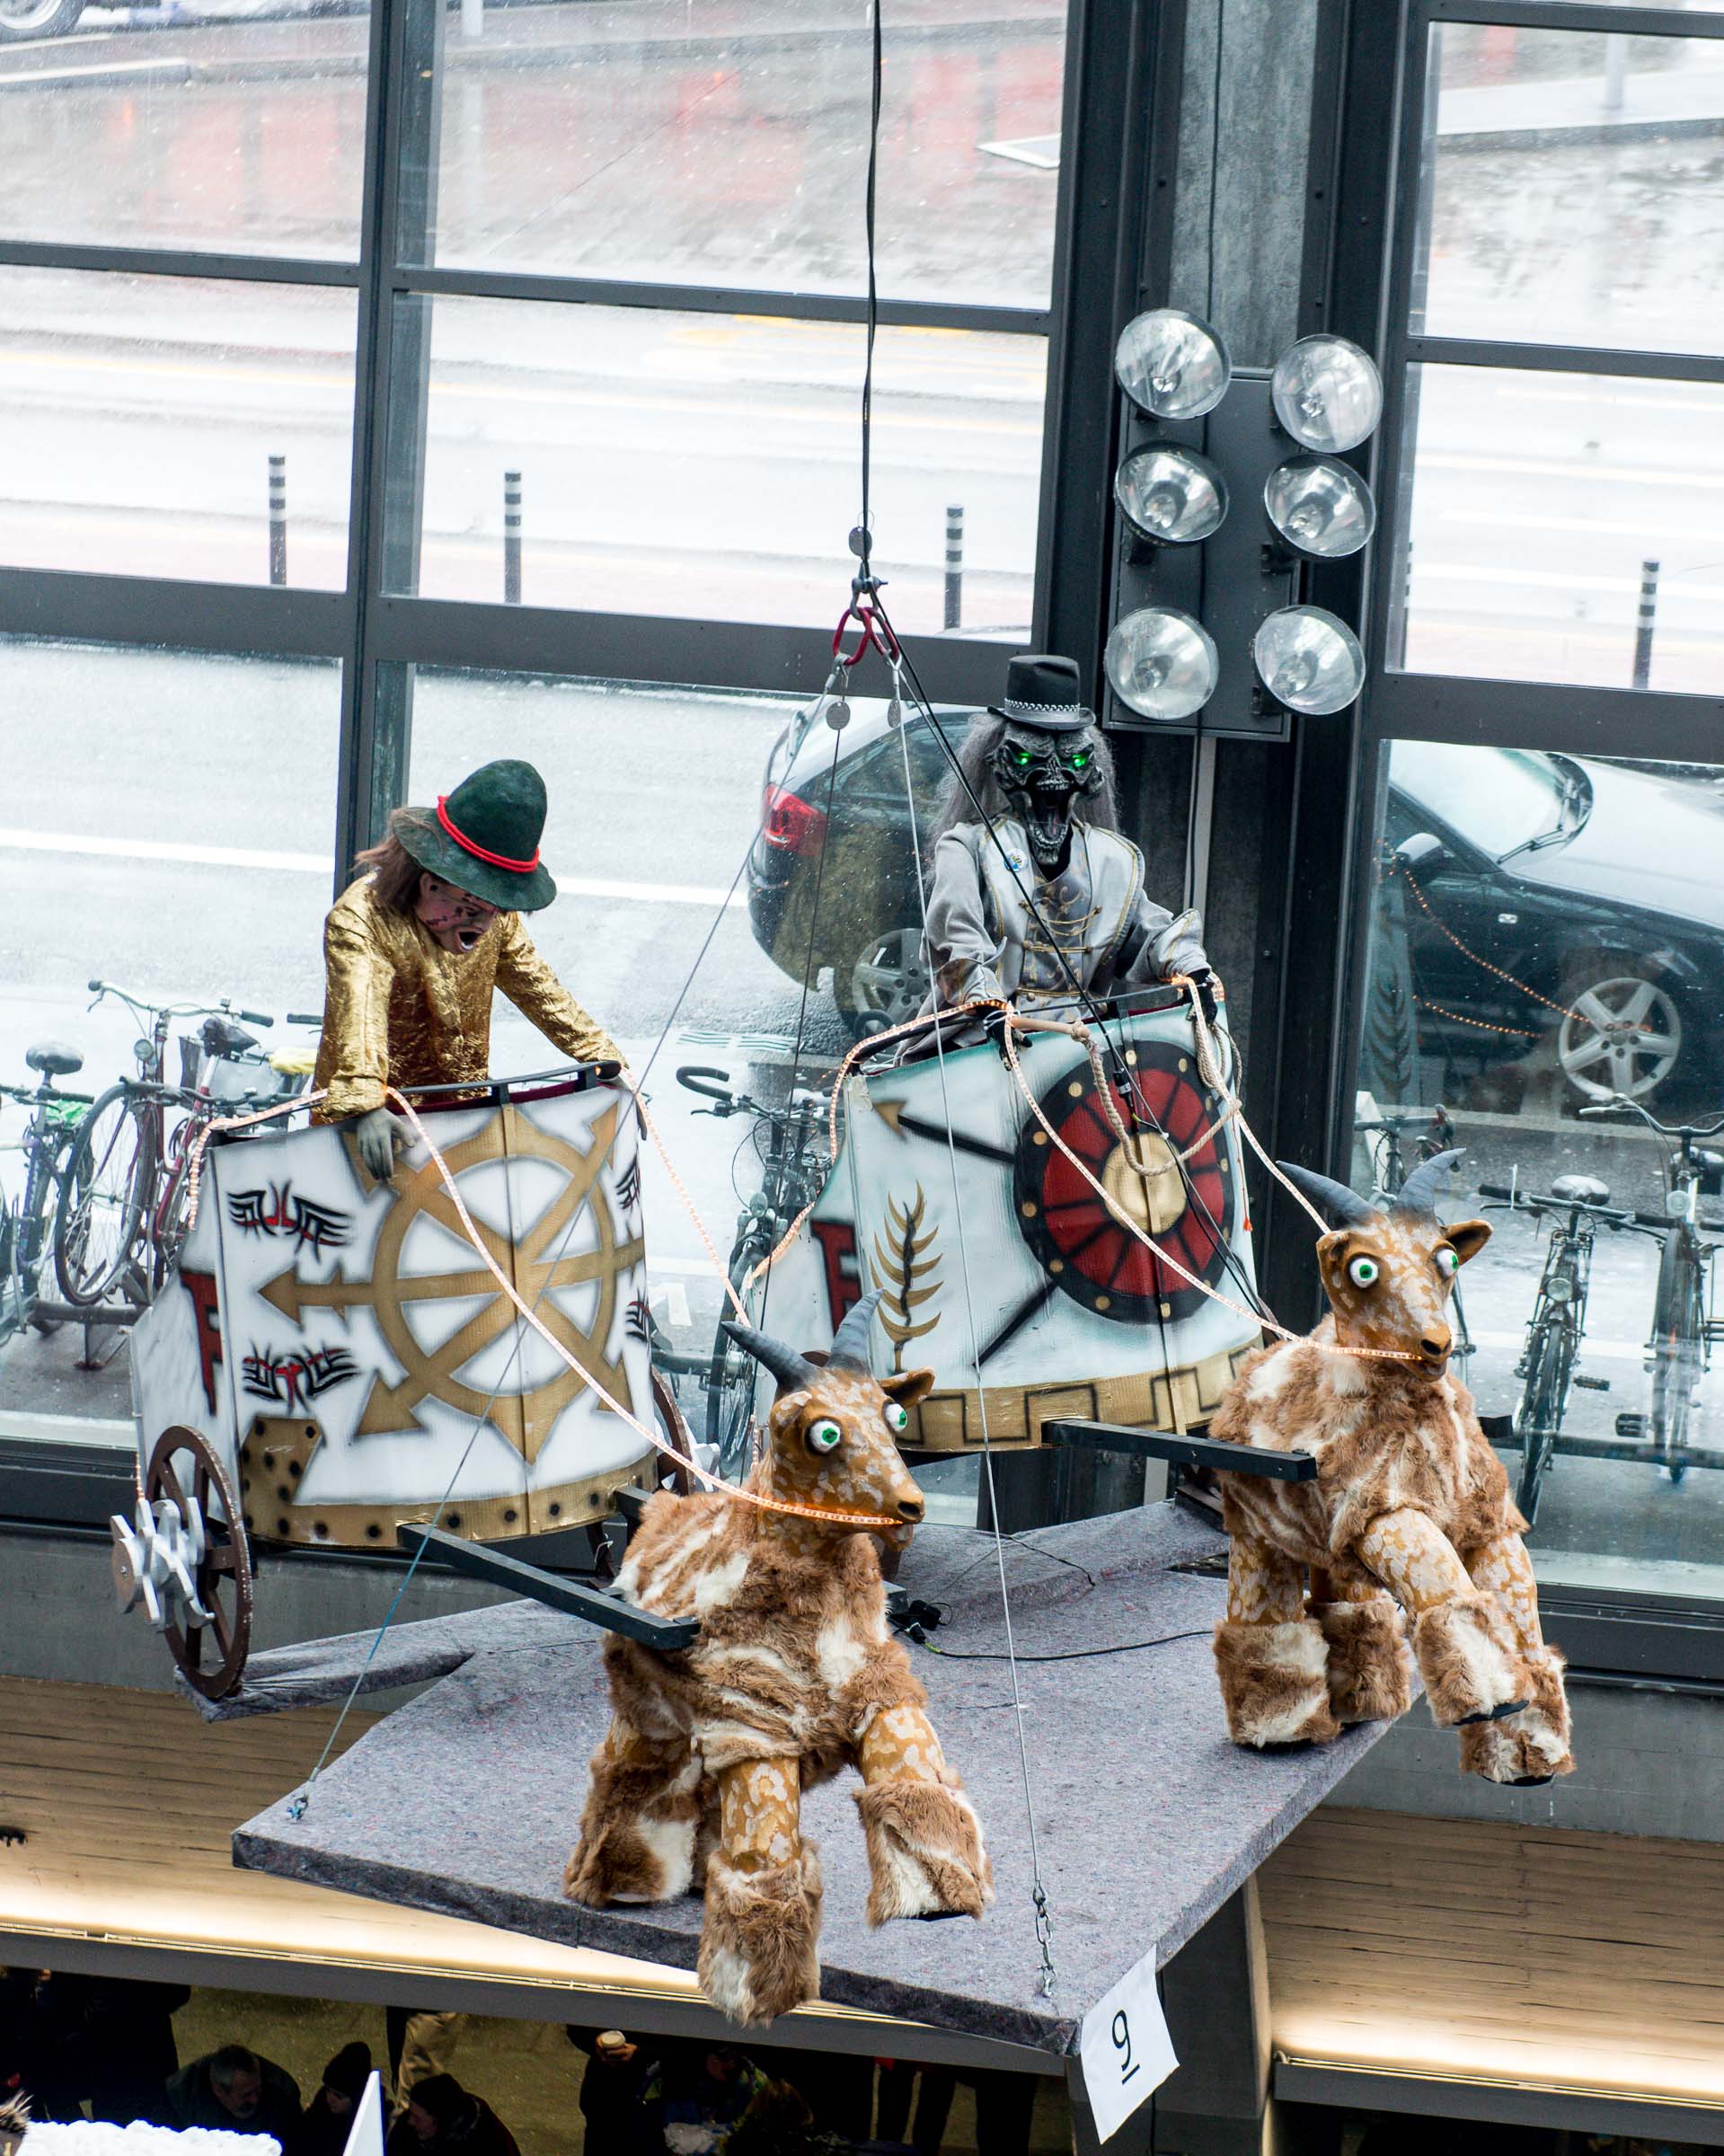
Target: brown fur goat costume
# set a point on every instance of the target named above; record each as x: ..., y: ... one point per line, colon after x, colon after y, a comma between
x: 1408, y: 1498
x: 794, y: 1676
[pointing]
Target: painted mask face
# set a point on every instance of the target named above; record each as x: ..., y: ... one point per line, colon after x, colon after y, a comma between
x: 1044, y: 776
x: 455, y: 918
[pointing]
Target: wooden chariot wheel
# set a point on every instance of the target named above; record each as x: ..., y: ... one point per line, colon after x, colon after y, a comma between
x: 212, y: 1654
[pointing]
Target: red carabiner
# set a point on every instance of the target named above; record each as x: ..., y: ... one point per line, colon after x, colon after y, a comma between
x: 870, y: 629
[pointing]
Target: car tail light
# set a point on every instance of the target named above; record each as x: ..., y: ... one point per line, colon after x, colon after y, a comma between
x: 792, y: 824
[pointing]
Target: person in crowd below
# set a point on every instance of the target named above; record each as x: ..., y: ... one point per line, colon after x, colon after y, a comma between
x: 441, y: 2116
x: 236, y: 2091
x: 413, y: 952
x: 610, y: 2089
x: 327, y: 2120
x: 421, y: 2043
x: 698, y: 2097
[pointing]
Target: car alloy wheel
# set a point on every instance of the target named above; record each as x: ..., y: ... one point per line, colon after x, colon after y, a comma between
x: 21, y: 19
x: 889, y: 982
x: 1621, y: 1036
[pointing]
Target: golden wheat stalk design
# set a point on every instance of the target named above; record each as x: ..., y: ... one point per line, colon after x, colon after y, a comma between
x: 903, y: 1271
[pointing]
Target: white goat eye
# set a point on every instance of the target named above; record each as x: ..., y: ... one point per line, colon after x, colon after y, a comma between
x: 824, y: 1437
x: 1449, y: 1262
x: 897, y: 1419
x: 1363, y: 1272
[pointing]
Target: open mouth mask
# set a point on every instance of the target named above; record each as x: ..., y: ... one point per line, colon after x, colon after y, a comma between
x: 455, y: 919
x: 1043, y: 775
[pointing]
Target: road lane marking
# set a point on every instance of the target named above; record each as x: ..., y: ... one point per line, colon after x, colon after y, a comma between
x: 322, y: 864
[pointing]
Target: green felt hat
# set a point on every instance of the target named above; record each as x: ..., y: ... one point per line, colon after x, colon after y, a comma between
x: 484, y: 836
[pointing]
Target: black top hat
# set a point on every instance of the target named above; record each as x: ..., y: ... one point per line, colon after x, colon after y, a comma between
x: 1043, y: 691
x: 484, y: 836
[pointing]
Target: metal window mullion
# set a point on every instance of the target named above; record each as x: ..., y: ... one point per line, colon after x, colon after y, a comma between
x: 1564, y: 359
x: 1579, y: 718
x: 357, y: 774
x: 713, y: 299
x: 179, y: 261
x: 120, y: 610
x: 1568, y: 14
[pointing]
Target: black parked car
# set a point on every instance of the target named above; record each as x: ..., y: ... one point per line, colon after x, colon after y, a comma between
x: 867, y: 924
x: 1595, y: 887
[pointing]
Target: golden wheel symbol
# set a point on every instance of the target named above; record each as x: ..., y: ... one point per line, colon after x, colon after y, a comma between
x: 551, y: 1255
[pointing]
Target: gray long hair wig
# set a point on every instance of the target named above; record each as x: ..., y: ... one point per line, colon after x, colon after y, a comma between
x: 1098, y: 809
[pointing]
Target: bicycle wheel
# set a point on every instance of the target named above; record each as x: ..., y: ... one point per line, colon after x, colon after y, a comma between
x: 1678, y: 1355
x: 101, y: 1202
x: 1539, y: 1414
x: 731, y: 1377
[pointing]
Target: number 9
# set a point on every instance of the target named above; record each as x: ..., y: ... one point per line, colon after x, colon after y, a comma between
x: 1122, y: 2042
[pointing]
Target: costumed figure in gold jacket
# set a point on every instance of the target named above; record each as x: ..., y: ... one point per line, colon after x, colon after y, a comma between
x: 413, y: 950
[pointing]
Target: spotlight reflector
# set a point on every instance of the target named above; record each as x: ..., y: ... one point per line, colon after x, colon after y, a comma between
x: 1327, y: 392
x: 1170, y: 365
x: 1308, y: 659
x: 1171, y: 495
x: 1319, y: 508
x: 1161, y: 664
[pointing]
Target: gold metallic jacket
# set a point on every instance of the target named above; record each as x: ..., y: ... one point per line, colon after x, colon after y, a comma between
x: 399, y: 1010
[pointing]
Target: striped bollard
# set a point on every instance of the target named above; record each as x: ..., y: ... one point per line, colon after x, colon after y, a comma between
x: 278, y: 519
x: 511, y: 538
x: 954, y: 564
x: 1643, y: 626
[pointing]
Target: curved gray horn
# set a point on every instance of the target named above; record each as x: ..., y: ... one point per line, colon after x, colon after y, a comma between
x: 1418, y: 1193
x: 850, y: 1342
x: 791, y: 1369
x: 1346, y: 1205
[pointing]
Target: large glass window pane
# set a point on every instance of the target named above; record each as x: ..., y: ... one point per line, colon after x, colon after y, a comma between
x: 645, y: 140
x: 141, y: 416
x: 1573, y: 192
x: 1544, y: 507
x: 1548, y: 933
x: 736, y: 899
x: 707, y: 464
x: 169, y: 827
x: 241, y: 137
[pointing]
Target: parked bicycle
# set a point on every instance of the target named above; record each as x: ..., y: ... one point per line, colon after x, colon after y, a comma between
x: 1386, y: 1133
x: 121, y: 1215
x: 789, y: 1144
x: 1684, y: 1326
x: 27, y: 1223
x: 1577, y: 1207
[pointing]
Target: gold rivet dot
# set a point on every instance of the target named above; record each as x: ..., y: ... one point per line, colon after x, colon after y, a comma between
x: 1056, y: 1265
x: 1131, y: 1056
x: 1184, y: 1064
x: 1167, y: 1309
x: 1028, y: 1208
x: 1102, y: 1302
x: 1039, y: 1137
x: 1075, y: 1088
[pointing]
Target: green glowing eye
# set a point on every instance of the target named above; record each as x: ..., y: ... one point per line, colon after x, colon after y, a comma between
x: 1022, y: 758
x: 1363, y: 1272
x: 1449, y: 1262
x: 897, y: 1421
x: 1079, y: 760
x: 824, y: 1437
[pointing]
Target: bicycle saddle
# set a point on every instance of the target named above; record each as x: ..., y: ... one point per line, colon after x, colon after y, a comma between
x: 53, y: 1059
x: 223, y: 1038
x: 1581, y: 1190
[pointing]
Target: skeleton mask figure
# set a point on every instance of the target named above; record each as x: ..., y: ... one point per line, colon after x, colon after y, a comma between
x: 1044, y: 776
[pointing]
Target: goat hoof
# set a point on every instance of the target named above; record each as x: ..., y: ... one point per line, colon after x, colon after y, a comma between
x: 925, y: 1857
x: 1274, y: 1683
x: 938, y: 1916
x: 1494, y: 1714
x: 1531, y: 1782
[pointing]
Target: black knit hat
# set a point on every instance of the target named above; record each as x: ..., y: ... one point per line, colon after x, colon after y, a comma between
x: 484, y: 836
x: 1043, y: 691
x: 447, y: 2101
x: 348, y: 2070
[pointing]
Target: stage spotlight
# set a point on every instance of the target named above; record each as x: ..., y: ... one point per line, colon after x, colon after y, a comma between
x: 1326, y: 393
x: 1320, y: 507
x: 1161, y: 664
x: 1171, y: 495
x: 1170, y: 365
x: 1308, y: 660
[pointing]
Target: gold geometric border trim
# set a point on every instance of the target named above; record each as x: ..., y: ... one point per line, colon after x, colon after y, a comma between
x: 1161, y: 1400
x: 276, y: 1449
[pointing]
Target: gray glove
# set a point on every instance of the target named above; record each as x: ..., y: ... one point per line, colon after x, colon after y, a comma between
x: 1178, y: 947
x: 380, y: 1134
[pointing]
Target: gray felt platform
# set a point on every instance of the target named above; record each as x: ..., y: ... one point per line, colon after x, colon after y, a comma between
x: 466, y: 1800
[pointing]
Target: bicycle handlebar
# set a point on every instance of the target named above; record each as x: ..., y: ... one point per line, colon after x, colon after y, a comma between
x: 252, y: 1018
x: 1665, y: 1130
x: 1534, y: 1201
x: 692, y: 1073
x: 226, y: 1008
x: 303, y: 1018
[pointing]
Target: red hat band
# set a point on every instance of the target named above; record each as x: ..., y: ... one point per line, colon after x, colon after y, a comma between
x: 479, y: 852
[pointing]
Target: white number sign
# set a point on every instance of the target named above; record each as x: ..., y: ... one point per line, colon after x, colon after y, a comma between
x: 1123, y: 2049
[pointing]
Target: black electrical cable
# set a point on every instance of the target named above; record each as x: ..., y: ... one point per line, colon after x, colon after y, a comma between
x: 1076, y: 1654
